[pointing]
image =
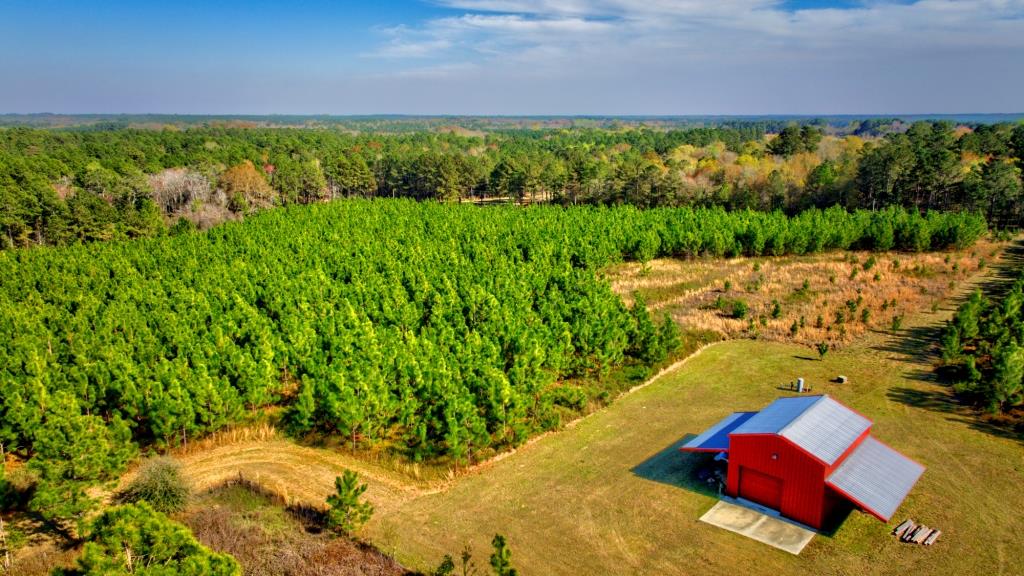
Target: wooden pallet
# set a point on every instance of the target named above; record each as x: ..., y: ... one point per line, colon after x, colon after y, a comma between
x: 910, y: 532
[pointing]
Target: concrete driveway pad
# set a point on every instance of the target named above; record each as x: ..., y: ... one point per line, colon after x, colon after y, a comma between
x: 764, y: 528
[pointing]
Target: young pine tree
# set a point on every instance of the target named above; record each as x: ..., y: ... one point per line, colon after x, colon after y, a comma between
x: 348, y: 512
x: 501, y: 558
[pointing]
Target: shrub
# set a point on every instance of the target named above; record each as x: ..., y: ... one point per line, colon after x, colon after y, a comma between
x: 159, y: 483
x: 501, y: 558
x: 897, y: 322
x: 740, y: 309
x: 776, y: 309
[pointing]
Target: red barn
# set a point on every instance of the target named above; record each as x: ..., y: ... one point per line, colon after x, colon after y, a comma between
x: 810, y: 458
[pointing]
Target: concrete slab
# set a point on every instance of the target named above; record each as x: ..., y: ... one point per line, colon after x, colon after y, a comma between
x: 771, y: 530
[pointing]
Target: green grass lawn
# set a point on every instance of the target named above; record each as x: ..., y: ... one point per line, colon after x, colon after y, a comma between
x: 612, y: 495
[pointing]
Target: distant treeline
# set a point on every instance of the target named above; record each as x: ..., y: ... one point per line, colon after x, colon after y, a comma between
x: 61, y: 187
x: 434, y: 330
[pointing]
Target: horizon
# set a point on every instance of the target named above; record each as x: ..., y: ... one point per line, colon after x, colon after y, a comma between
x: 515, y: 58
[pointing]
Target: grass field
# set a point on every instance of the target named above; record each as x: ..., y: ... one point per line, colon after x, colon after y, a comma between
x: 612, y: 495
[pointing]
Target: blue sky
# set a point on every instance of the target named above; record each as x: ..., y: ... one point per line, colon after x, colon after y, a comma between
x: 512, y: 56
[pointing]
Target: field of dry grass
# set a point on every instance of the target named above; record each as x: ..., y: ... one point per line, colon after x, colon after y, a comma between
x: 831, y: 298
x: 269, y: 540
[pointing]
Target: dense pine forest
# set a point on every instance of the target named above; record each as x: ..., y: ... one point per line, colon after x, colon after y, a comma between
x: 60, y: 187
x: 437, y: 330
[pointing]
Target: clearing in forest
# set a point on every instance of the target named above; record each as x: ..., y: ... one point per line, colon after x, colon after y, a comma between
x: 832, y: 297
x: 612, y: 495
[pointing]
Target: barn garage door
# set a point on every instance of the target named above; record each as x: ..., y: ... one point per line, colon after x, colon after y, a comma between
x: 761, y: 488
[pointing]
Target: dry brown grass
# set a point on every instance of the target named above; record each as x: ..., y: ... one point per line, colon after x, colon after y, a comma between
x: 268, y: 540
x: 896, y: 285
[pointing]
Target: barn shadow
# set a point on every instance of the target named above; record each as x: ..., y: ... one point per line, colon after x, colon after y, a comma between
x: 679, y: 469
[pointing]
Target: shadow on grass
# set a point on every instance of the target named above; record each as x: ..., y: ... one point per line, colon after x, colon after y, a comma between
x: 942, y: 400
x: 679, y: 469
x: 920, y: 345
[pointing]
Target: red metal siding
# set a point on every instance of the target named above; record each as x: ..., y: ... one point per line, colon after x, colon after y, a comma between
x: 761, y: 488
x: 803, y: 477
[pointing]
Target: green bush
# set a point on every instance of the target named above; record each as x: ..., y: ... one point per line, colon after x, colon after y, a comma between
x: 159, y: 482
x: 347, y: 510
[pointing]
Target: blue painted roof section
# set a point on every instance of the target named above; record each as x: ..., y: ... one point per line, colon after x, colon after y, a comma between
x: 777, y: 415
x: 717, y: 437
x: 818, y: 424
x: 876, y: 477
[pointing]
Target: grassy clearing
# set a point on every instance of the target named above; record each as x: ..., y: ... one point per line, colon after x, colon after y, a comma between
x: 839, y: 287
x: 613, y: 496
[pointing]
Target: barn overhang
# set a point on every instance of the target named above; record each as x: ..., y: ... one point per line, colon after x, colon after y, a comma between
x: 876, y: 478
x: 716, y: 438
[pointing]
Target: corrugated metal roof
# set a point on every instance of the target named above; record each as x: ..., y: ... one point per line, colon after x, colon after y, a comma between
x: 777, y: 415
x: 826, y: 429
x: 818, y: 424
x: 877, y: 477
x: 717, y: 437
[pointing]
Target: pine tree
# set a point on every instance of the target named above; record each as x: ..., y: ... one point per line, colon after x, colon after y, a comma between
x: 501, y: 558
x: 348, y: 512
x: 137, y: 540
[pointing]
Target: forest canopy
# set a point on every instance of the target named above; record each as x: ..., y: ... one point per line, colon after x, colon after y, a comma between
x: 437, y: 330
x: 60, y: 187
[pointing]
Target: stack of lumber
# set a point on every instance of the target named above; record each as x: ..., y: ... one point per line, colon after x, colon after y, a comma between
x: 914, y: 533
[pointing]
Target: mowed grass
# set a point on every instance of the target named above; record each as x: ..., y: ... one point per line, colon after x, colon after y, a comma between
x: 612, y: 495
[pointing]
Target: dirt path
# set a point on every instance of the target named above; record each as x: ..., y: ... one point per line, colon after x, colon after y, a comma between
x: 306, y: 474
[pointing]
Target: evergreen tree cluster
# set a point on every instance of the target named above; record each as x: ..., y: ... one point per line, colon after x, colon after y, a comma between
x: 983, y: 349
x: 437, y: 330
x: 137, y: 540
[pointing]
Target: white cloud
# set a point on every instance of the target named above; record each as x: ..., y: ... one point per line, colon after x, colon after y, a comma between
x: 724, y: 56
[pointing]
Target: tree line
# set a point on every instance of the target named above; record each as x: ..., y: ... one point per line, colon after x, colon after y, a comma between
x: 60, y: 187
x: 435, y: 330
x: 983, y: 349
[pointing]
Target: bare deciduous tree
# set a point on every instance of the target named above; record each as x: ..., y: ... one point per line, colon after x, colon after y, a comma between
x: 175, y: 189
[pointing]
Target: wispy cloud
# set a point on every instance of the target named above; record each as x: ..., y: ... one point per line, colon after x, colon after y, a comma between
x: 689, y: 49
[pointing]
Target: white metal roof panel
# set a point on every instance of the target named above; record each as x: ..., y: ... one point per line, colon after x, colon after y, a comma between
x: 876, y: 477
x: 826, y: 429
